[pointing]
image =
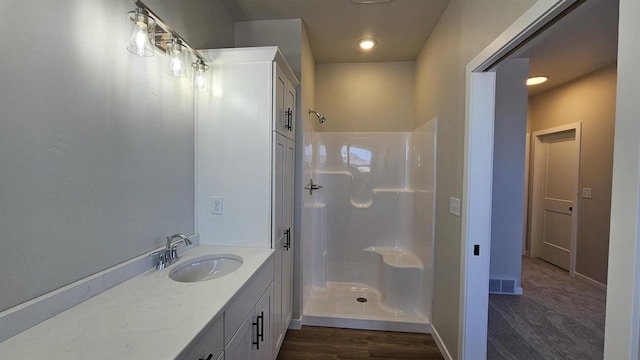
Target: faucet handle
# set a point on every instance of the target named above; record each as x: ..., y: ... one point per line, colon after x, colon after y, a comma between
x: 161, y: 261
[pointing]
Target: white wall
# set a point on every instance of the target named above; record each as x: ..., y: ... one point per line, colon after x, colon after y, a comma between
x: 96, y: 145
x: 369, y: 97
x: 465, y: 28
x: 507, y: 213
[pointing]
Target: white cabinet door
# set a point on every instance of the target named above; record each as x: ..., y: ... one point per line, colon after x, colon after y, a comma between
x: 284, y: 154
x: 287, y: 255
x: 279, y: 236
x: 279, y: 111
x: 284, y: 110
x: 290, y: 110
x: 252, y: 341
x: 262, y: 342
x: 239, y: 348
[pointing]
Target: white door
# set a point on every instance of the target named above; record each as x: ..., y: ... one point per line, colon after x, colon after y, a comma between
x: 556, y: 175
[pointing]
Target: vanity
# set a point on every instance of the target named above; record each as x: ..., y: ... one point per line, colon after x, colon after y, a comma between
x: 154, y: 317
x: 245, y: 150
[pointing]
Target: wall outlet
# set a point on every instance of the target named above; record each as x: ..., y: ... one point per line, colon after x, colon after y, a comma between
x: 216, y: 205
x: 454, y: 206
x: 586, y: 193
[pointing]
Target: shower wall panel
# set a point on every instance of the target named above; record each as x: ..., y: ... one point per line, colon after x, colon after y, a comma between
x: 377, y: 198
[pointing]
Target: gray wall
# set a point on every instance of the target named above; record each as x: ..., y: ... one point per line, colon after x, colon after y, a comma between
x: 365, y: 97
x: 286, y: 34
x: 465, y: 28
x: 96, y: 144
x: 592, y: 101
x: 507, y: 213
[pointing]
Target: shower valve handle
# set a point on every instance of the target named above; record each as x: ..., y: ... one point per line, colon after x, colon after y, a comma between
x: 311, y: 186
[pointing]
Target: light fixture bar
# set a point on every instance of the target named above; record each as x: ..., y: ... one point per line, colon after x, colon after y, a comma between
x: 169, y: 30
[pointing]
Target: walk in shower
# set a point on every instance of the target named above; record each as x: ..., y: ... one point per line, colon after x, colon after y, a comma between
x: 368, y: 252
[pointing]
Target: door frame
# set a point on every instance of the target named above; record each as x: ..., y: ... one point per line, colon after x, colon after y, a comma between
x: 478, y: 174
x: 622, y: 326
x: 536, y: 208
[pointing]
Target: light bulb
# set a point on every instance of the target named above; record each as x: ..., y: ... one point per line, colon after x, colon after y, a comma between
x: 177, y: 58
x: 199, y: 82
x: 176, y: 65
x: 140, y: 40
x: 200, y: 76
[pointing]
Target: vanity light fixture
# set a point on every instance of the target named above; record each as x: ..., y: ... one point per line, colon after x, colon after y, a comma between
x: 142, y: 39
x: 200, y: 76
x: 150, y: 31
x: 367, y: 44
x: 536, y: 80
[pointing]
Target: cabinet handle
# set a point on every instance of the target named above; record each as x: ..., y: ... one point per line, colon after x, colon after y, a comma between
x: 208, y: 357
x: 259, y: 324
x: 289, y: 114
x: 287, y: 245
x: 261, y: 318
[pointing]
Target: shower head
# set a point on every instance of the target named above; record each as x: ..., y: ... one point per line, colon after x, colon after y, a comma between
x: 321, y: 118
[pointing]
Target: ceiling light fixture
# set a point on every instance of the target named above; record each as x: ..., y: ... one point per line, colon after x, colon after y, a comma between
x: 536, y: 80
x: 367, y: 44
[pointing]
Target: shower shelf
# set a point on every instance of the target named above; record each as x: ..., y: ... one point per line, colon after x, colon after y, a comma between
x: 397, y: 257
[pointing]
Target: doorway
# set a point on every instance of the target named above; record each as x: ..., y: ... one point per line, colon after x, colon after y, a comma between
x: 481, y: 84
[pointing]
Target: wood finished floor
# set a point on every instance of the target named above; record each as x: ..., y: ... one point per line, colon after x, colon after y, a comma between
x: 319, y: 343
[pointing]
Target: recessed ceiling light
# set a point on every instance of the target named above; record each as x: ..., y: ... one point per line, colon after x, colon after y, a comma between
x: 536, y: 80
x: 367, y: 44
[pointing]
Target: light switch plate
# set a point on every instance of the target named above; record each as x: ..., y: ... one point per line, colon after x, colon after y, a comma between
x: 216, y: 205
x: 586, y: 193
x: 454, y: 206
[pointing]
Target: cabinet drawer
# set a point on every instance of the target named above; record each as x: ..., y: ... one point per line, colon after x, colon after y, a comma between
x: 209, y: 341
x: 246, y: 299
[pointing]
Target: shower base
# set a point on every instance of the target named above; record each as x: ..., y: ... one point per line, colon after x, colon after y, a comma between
x: 341, y: 304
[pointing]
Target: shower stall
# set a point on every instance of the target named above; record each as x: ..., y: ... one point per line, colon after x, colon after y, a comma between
x: 368, y: 231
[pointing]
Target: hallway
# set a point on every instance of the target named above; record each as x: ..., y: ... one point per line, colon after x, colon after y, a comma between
x: 557, y: 317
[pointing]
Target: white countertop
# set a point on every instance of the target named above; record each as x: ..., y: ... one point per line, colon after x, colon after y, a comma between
x: 147, y: 317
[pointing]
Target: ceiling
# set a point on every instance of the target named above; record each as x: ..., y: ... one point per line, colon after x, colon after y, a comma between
x: 334, y: 27
x: 584, y: 41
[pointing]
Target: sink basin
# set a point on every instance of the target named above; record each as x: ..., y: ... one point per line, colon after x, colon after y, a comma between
x: 206, y: 268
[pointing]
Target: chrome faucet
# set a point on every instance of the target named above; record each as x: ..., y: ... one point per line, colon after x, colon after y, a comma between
x: 170, y: 253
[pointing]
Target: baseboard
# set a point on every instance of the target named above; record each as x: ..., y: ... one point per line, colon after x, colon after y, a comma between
x: 590, y: 281
x: 296, y: 324
x: 440, y: 343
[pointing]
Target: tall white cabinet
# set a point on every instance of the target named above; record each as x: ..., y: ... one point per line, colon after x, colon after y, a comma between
x: 245, y: 147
